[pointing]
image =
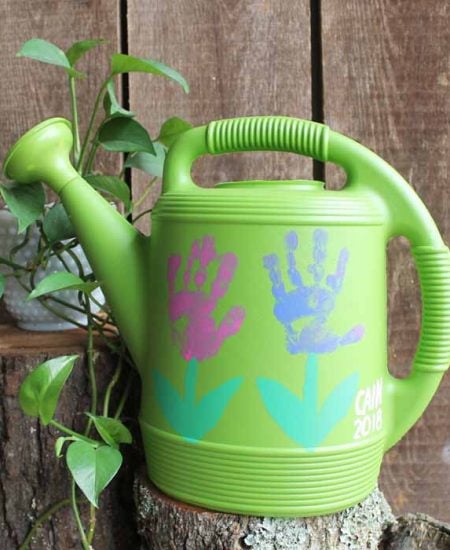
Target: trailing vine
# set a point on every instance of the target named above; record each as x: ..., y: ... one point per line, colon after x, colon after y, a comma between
x: 92, y: 455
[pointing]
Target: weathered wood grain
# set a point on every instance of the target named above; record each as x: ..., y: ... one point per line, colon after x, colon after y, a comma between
x: 240, y: 57
x: 386, y: 83
x: 32, y: 91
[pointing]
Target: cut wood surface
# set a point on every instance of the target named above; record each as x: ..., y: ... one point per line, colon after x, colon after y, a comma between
x: 386, y: 83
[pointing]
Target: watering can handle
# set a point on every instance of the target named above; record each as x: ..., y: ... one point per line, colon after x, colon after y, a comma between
x: 405, y: 214
x: 258, y: 133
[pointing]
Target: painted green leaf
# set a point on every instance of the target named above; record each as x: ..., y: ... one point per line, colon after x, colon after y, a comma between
x: 171, y: 129
x: 151, y: 164
x: 78, y: 49
x: 25, y: 202
x: 304, y: 420
x: 111, y: 104
x: 188, y: 416
x: 337, y: 404
x: 92, y: 467
x: 112, y: 431
x: 125, y: 135
x: 39, y: 392
x: 62, y: 281
x: 57, y: 225
x: 46, y: 52
x: 122, y: 63
x: 2, y: 284
x: 112, y: 185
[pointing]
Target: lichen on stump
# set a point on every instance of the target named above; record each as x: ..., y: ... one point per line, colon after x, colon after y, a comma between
x: 165, y: 523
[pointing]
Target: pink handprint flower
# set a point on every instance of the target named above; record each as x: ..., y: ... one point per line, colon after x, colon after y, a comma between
x: 201, y: 336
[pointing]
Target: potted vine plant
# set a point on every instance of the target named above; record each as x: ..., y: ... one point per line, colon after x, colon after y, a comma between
x: 92, y: 455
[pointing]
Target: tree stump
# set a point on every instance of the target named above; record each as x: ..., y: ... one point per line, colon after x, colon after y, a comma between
x: 167, y: 524
x: 31, y: 477
x: 416, y: 532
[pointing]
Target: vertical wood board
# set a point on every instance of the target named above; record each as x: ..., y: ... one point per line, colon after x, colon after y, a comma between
x: 240, y: 58
x: 386, y: 83
x: 32, y: 91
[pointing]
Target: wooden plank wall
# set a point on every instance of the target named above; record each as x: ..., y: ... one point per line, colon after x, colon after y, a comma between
x: 386, y: 83
x: 245, y: 58
x: 379, y: 71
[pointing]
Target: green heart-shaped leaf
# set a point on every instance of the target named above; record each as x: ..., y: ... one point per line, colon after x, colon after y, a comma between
x: 39, y: 392
x: 25, y: 202
x: 151, y: 164
x: 171, y: 129
x: 57, y: 225
x: 92, y: 468
x: 125, y: 135
x: 61, y: 281
x: 112, y: 431
x: 123, y: 63
x: 111, y: 104
x: 46, y: 52
x: 78, y: 49
x: 112, y: 185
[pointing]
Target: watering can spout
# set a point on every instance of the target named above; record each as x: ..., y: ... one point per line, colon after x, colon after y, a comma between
x: 115, y: 249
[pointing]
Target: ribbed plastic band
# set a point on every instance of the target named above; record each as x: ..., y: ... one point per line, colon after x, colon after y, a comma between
x: 263, y: 482
x: 433, y: 266
x: 269, y: 133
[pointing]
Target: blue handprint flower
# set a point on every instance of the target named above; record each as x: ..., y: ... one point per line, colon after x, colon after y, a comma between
x: 314, y: 302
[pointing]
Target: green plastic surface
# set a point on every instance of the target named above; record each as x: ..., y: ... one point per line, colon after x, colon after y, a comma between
x: 256, y: 315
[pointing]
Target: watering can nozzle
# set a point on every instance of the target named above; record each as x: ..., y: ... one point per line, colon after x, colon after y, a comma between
x: 42, y: 154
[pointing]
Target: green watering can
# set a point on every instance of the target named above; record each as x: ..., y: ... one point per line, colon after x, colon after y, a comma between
x: 256, y: 315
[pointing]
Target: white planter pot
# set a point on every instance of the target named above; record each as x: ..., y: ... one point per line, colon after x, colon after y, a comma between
x: 33, y: 315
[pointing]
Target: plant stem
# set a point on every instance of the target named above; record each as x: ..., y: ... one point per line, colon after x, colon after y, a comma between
x: 142, y: 214
x: 68, y: 431
x: 144, y: 195
x: 90, y: 352
x: 124, y: 398
x: 92, y: 521
x: 12, y: 264
x: 91, y: 156
x: 76, y: 514
x: 98, y: 100
x: 41, y: 520
x: 75, y: 130
x: 113, y: 382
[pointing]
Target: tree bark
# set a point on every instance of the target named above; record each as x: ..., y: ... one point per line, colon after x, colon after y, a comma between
x: 32, y: 479
x: 416, y: 531
x: 167, y: 524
